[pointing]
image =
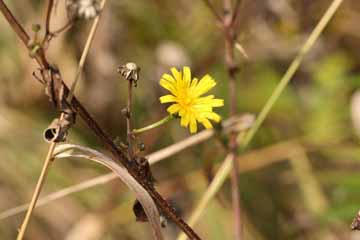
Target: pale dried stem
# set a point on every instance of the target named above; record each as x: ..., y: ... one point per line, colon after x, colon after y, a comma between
x: 47, y: 163
x: 37, y: 191
x: 85, y: 52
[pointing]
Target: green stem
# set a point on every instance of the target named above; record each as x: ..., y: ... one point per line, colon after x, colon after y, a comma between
x: 154, y: 125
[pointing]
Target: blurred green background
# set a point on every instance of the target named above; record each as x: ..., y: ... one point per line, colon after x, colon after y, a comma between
x: 301, y: 179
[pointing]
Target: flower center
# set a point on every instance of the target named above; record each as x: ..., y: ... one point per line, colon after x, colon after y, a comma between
x: 186, y: 100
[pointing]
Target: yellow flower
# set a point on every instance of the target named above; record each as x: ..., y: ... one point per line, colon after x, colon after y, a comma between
x: 186, y: 96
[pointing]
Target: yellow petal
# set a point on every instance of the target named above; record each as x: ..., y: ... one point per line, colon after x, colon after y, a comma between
x: 205, y: 84
x: 168, y: 78
x: 176, y: 74
x: 204, y: 100
x: 168, y: 86
x: 193, y: 124
x: 174, y: 108
x: 194, y: 82
x: 182, y: 111
x: 207, y: 124
x: 168, y: 98
x: 216, y: 102
x: 185, y: 120
x: 202, y: 108
x: 187, y: 76
x: 212, y: 116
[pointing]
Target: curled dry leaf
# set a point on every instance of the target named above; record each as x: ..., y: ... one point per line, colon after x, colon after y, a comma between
x: 76, y: 151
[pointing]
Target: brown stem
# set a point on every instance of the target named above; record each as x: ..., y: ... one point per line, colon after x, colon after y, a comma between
x: 232, y: 70
x: 68, y: 24
x: 128, y: 120
x: 102, y: 136
x: 227, y: 25
x: 48, y: 18
x: 236, y: 11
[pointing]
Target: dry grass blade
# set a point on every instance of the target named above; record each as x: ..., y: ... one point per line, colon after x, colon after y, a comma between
x: 225, y: 168
x: 240, y: 123
x: 76, y: 151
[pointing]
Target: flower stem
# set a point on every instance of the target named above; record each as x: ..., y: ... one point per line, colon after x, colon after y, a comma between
x: 154, y: 125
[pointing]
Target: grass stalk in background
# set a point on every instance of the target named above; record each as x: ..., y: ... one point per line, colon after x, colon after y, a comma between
x: 225, y: 168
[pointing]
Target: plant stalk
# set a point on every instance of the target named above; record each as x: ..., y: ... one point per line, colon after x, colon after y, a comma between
x: 154, y: 125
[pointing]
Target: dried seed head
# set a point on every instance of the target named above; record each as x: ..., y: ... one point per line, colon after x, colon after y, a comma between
x: 86, y: 9
x: 130, y: 71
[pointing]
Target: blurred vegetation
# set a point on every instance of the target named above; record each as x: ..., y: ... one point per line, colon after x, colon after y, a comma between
x: 311, y: 191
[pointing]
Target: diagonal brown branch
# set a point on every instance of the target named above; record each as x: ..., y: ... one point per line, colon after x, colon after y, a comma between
x: 101, y: 135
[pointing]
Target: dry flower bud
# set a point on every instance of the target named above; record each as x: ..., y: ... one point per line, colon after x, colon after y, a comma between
x: 86, y: 9
x: 130, y: 71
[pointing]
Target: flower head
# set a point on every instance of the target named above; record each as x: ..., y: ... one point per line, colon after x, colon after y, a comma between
x: 83, y: 8
x: 187, y: 100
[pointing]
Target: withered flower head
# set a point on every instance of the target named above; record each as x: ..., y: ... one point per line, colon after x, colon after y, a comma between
x: 86, y: 9
x: 130, y: 71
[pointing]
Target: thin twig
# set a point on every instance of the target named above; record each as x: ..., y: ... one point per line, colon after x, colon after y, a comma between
x: 37, y: 191
x: 232, y: 70
x: 46, y: 165
x: 225, y: 167
x: 85, y: 52
x: 67, y: 25
x: 236, y: 11
x: 128, y: 120
x: 294, y: 66
x: 48, y: 18
x: 229, y: 35
x: 153, y: 125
